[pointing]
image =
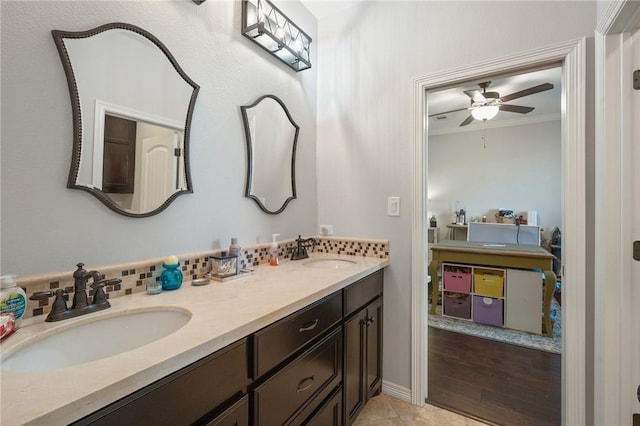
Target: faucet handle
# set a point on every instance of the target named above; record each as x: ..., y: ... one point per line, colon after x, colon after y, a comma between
x: 99, y: 296
x: 59, y: 304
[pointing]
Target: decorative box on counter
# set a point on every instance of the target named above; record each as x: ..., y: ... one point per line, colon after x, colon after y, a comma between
x: 224, y: 265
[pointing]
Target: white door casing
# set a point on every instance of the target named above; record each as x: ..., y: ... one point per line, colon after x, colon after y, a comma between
x: 633, y: 332
x: 571, y: 55
x: 617, y: 276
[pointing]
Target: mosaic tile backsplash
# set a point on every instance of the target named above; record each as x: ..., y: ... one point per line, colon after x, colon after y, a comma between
x: 136, y: 275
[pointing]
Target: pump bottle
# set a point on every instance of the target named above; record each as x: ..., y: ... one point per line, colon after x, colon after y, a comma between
x: 273, y: 250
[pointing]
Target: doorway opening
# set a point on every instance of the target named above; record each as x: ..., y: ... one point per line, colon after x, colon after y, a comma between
x: 571, y: 55
x: 495, y: 181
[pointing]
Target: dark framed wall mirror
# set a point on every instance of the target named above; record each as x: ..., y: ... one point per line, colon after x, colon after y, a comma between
x: 132, y: 108
x: 271, y: 136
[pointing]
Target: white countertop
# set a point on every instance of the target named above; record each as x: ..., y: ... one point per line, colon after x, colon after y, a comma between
x: 222, y: 313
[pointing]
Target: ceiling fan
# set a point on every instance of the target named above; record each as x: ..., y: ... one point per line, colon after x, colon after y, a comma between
x: 485, y: 105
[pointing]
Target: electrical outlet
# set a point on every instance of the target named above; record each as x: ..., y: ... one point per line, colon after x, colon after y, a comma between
x: 326, y: 229
x: 393, y: 206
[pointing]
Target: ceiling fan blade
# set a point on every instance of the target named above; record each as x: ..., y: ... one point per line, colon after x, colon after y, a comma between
x: 467, y: 121
x: 527, y: 92
x: 475, y: 95
x: 448, y: 112
x: 516, y: 108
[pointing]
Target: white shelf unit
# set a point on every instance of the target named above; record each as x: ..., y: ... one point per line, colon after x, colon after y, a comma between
x: 508, y: 298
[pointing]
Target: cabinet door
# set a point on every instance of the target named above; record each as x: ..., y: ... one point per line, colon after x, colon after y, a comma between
x: 362, y: 358
x: 523, y: 307
x: 374, y: 348
x: 354, y: 364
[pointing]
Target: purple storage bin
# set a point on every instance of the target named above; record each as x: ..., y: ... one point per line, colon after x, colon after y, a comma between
x: 488, y: 310
x: 457, y: 305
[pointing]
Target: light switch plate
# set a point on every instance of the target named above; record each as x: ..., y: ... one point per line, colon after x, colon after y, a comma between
x: 393, y: 206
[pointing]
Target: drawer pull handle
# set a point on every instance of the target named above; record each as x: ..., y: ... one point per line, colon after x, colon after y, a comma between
x: 305, y: 384
x: 309, y: 326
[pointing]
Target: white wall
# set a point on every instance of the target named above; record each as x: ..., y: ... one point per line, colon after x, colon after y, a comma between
x: 367, y: 58
x: 519, y: 169
x: 47, y: 227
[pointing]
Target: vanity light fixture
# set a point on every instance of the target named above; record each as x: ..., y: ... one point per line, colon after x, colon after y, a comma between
x: 485, y: 112
x: 266, y: 25
x: 199, y: 2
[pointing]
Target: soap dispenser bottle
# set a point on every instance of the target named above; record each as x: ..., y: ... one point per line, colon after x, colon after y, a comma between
x: 273, y: 250
x: 234, y: 248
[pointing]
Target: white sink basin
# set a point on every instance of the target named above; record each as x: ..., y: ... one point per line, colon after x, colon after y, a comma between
x: 91, y: 340
x: 330, y: 263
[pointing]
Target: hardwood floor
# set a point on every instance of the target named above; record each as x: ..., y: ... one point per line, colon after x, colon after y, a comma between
x: 492, y: 381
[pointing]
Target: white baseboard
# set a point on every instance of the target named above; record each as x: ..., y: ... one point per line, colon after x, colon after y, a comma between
x: 395, y: 391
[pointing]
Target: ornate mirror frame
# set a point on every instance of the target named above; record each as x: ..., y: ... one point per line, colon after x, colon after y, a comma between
x: 251, y: 161
x: 59, y: 37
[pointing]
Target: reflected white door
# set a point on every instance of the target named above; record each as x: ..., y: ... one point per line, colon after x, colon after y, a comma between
x: 157, y: 170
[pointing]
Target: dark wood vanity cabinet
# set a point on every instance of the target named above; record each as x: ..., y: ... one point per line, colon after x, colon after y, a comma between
x: 317, y: 366
x: 362, y: 344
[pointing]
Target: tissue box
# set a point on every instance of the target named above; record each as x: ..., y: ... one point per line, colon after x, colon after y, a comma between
x: 224, y: 265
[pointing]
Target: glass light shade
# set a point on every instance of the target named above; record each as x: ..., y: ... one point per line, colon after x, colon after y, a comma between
x: 486, y: 112
x: 265, y: 24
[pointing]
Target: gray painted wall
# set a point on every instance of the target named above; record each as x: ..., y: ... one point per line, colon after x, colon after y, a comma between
x: 515, y: 167
x: 368, y: 57
x: 48, y: 228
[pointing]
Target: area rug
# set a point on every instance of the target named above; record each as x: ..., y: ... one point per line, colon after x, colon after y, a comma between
x: 520, y: 338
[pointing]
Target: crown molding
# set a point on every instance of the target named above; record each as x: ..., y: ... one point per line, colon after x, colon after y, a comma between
x: 495, y: 124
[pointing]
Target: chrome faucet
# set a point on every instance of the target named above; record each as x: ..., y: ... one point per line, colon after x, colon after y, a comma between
x: 80, y: 305
x: 300, y: 251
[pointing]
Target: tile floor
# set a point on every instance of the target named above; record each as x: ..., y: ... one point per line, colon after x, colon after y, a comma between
x: 384, y: 410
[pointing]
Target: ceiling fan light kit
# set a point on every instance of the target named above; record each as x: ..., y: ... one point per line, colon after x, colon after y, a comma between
x: 485, y: 112
x: 486, y: 105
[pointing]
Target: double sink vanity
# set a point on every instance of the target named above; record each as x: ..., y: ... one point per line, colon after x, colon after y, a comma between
x: 300, y: 343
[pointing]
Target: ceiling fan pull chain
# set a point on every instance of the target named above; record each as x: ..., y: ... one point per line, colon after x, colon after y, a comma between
x: 484, y: 134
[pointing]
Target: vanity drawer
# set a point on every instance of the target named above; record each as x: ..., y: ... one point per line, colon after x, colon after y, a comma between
x: 185, y: 396
x: 276, y: 342
x: 236, y: 415
x: 307, y: 379
x: 362, y: 292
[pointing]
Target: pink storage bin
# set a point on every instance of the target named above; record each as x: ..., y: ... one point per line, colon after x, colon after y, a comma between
x: 460, y: 282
